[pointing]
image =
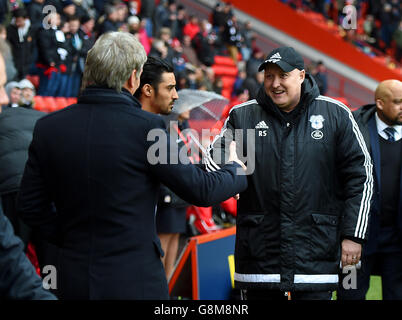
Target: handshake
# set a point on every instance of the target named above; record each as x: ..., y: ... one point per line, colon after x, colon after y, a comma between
x: 233, y: 157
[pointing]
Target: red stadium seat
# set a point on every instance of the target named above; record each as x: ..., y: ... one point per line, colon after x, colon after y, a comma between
x: 71, y: 100
x: 39, y: 104
x: 50, y: 103
x: 61, y: 102
x: 225, y: 61
x: 223, y: 70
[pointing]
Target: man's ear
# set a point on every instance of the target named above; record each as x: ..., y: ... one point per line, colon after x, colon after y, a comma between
x: 302, y: 75
x: 133, y: 78
x: 147, y: 90
x: 379, y: 103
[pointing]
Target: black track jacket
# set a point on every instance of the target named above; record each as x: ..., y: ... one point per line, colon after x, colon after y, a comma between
x: 311, y: 187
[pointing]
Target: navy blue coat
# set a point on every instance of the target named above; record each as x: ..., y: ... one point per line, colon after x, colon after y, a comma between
x: 365, y: 118
x: 18, y: 279
x: 89, y: 187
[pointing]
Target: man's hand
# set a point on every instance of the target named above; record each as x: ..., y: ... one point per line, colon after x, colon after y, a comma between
x: 233, y: 155
x: 351, y: 252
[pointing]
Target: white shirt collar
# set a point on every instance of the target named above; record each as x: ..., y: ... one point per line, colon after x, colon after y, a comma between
x: 381, y: 125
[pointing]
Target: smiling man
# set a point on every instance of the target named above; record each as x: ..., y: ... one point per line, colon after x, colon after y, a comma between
x: 306, y: 206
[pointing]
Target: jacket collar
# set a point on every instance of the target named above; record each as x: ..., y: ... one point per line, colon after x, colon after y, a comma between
x: 103, y: 95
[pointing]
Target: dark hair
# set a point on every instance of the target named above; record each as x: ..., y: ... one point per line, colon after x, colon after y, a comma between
x: 73, y: 18
x: 20, y: 13
x: 152, y: 73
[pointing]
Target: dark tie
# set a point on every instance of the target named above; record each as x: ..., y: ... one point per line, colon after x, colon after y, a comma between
x: 390, y: 133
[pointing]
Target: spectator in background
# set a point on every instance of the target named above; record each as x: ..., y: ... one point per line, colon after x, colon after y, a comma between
x: 241, y: 76
x: 122, y: 14
x: 5, y: 50
x: 65, y: 51
x: 204, y: 44
x: 161, y: 14
x: 158, y: 49
x: 370, y: 31
x: 387, y: 17
x: 218, y: 85
x: 218, y: 17
x: 48, y: 60
x: 241, y: 95
x: 3, y: 10
x: 232, y: 38
x: 27, y: 94
x: 203, y: 80
x: 192, y: 27
x: 18, y: 277
x: 87, y: 30
x: 189, y: 53
x: 80, y: 46
x: 16, y: 127
x: 21, y: 37
x: 136, y: 27
x: 178, y: 61
x: 134, y: 7
x: 181, y: 22
x: 247, y: 38
x: 13, y: 91
x: 254, y: 62
x: 68, y: 10
x: 35, y: 13
x: 165, y: 35
x: 397, y: 36
x: 319, y: 72
x: 146, y: 14
x: 170, y: 20
x: 253, y: 84
x: 182, y: 80
x: 80, y: 10
x: 221, y: 14
x: 110, y: 21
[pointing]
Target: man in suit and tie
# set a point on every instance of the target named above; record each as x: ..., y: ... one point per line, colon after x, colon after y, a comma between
x: 91, y: 189
x: 381, y: 126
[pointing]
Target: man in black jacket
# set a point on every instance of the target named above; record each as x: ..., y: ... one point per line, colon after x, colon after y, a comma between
x: 21, y: 38
x: 16, y: 127
x: 92, y: 179
x: 18, y: 279
x: 306, y: 206
x: 381, y: 126
x: 157, y: 94
x: 48, y: 62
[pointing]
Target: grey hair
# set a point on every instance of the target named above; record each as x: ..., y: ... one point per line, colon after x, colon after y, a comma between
x: 112, y: 59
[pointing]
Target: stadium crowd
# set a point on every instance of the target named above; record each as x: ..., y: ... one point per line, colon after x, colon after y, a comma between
x: 377, y: 29
x: 50, y: 48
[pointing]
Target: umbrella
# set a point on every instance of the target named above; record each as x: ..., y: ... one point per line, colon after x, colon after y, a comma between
x: 205, y: 110
x: 205, y: 104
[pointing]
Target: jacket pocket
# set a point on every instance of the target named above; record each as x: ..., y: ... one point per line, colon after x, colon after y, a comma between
x: 250, y: 242
x: 324, y: 238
